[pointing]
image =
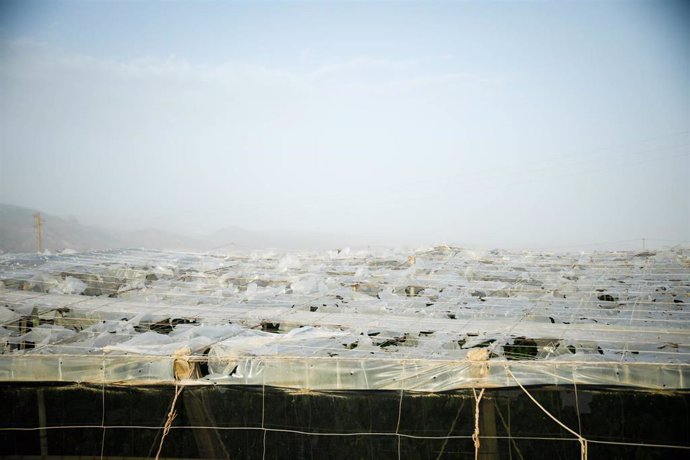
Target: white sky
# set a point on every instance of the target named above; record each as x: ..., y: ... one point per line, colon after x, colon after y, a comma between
x: 503, y: 124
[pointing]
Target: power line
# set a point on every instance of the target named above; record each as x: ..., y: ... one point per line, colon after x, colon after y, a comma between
x: 38, y: 226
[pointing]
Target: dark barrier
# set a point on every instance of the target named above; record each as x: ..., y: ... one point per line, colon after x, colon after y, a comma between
x: 241, y: 422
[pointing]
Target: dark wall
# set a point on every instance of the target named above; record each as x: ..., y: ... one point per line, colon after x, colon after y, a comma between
x: 366, y: 423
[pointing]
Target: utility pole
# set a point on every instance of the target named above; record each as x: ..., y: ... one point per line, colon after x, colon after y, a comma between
x: 643, y: 244
x: 38, y: 226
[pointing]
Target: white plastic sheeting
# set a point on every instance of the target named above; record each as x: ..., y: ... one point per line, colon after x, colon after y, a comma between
x: 349, y: 320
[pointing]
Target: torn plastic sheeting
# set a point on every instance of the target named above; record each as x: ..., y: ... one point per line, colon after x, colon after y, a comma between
x: 69, y: 285
x: 153, y: 343
x: 43, y: 335
x: 7, y: 315
x: 306, y: 341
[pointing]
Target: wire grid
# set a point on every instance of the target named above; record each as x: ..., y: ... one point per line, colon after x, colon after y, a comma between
x: 167, y: 429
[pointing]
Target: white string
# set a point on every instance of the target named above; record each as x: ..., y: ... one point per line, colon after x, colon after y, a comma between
x: 397, y: 426
x: 577, y: 407
x: 103, y: 410
x: 509, y: 431
x: 355, y: 434
x: 263, y: 412
x: 583, y: 441
x: 450, y: 430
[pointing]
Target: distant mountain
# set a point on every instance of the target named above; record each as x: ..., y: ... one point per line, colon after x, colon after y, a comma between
x: 17, y: 235
x: 17, y: 232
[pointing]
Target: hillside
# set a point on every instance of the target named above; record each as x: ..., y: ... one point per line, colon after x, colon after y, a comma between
x: 17, y: 235
x: 17, y: 232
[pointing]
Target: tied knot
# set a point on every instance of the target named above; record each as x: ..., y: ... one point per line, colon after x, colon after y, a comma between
x: 182, y: 367
x: 478, y: 354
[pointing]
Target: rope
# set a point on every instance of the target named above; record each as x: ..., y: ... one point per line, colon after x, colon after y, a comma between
x: 475, y: 435
x: 583, y: 441
x: 171, y: 417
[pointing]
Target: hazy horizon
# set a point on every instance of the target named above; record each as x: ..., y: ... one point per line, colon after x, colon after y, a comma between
x: 493, y: 124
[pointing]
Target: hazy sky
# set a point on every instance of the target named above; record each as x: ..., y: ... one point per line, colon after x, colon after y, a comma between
x: 506, y: 124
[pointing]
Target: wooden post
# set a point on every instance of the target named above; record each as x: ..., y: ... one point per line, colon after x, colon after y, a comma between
x: 488, y: 449
x: 42, y: 423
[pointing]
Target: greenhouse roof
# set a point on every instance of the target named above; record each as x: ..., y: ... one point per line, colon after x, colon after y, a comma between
x: 430, y: 320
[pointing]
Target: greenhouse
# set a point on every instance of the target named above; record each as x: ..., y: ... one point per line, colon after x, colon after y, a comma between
x: 440, y: 352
